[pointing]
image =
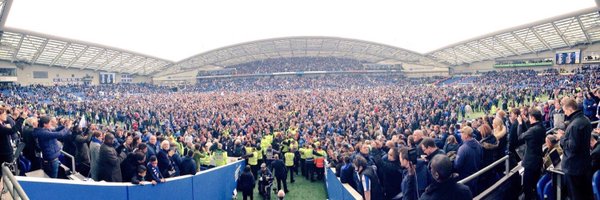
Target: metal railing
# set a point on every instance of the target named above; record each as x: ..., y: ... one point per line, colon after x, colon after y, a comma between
x: 73, y: 171
x: 488, y: 168
x: 12, y: 185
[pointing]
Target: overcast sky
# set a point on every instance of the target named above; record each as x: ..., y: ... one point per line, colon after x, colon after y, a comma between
x: 177, y: 29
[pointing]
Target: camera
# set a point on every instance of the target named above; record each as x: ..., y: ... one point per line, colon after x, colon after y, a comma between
x: 412, y: 156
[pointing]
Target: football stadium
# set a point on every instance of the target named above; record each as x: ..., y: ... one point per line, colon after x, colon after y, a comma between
x: 317, y: 100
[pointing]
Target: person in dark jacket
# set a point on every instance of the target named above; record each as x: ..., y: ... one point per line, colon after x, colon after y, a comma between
x: 109, y: 162
x: 391, y: 173
x: 408, y: 185
x: 188, y: 165
x: 534, y: 139
x: 164, y: 163
x: 82, y: 153
x: 131, y: 164
x: 47, y: 134
x: 468, y: 157
x: 280, y: 172
x: 246, y: 183
x: 30, y: 145
x: 595, y: 154
x: 576, y: 151
x: 489, y: 145
x: 430, y: 149
x: 451, y: 144
x: 445, y: 185
x: 347, y: 172
x: 140, y: 177
x: 513, y: 138
x: 6, y: 151
x: 369, y: 185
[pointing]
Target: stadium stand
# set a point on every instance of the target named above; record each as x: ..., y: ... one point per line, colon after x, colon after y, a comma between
x: 364, y: 120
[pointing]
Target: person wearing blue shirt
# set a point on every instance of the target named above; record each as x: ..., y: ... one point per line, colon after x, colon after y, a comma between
x: 468, y: 157
x: 47, y: 134
x: 154, y: 174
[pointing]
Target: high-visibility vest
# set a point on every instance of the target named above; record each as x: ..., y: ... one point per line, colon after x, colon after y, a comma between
x: 220, y: 157
x: 205, y: 159
x: 253, y: 161
x: 301, y: 150
x: 260, y: 155
x: 308, y: 153
x: 249, y: 150
x: 289, y: 159
x: 320, y: 162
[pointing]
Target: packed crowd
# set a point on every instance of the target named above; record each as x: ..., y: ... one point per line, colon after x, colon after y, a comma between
x: 139, y: 132
x: 298, y: 64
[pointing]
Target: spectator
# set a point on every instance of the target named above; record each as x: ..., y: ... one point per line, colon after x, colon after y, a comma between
x: 140, y: 177
x: 347, y: 172
x: 155, y: 174
x: 95, y: 144
x: 576, y: 152
x: 468, y: 157
x: 445, y: 185
x: 246, y: 183
x: 489, y: 146
x: 188, y: 165
x: 280, y: 172
x: 31, y: 146
x: 391, y: 173
x: 369, y: 185
x: 532, y: 159
x: 595, y: 153
x: 6, y: 131
x: 109, y: 162
x: 451, y: 144
x: 129, y: 167
x: 409, y: 185
x: 280, y: 195
x: 82, y: 155
x: 551, y: 145
x: 47, y: 134
x: 513, y: 137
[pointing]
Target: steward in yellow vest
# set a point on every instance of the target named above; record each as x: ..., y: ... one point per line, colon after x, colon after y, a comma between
x: 220, y: 156
x: 289, y: 163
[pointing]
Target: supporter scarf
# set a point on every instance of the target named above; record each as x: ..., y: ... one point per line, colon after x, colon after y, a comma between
x: 94, y: 139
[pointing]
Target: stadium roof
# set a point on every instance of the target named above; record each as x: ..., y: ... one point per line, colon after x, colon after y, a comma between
x: 302, y: 47
x: 569, y: 30
x: 29, y: 47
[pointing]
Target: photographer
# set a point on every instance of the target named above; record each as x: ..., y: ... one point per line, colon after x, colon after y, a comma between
x: 47, y: 134
x: 409, y: 185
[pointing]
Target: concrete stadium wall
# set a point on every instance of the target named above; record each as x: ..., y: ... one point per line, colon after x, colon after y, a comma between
x: 488, y: 65
x: 25, y: 74
x: 188, y: 77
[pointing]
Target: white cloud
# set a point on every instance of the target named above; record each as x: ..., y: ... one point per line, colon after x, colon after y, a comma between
x: 178, y: 29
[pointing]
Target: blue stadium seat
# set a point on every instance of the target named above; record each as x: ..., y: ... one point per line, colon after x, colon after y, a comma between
x: 596, y: 184
x: 548, y: 191
x: 541, y: 184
